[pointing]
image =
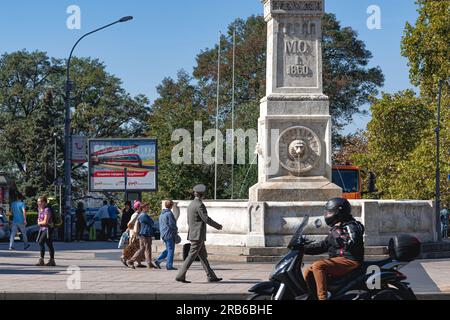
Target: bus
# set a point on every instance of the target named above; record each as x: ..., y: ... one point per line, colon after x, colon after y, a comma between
x: 348, y: 177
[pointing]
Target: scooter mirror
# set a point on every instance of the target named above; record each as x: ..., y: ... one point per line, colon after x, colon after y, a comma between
x: 318, y: 223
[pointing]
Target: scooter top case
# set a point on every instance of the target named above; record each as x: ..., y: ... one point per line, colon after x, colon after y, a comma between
x: 404, y: 248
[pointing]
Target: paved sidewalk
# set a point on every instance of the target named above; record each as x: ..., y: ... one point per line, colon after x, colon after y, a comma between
x: 104, y: 277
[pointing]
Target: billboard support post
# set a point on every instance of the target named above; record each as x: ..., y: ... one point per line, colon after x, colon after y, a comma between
x: 125, y: 171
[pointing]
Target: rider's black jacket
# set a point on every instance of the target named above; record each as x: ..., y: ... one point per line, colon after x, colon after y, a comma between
x: 345, y: 240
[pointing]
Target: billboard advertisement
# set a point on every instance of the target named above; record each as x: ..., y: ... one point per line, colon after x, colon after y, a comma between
x: 112, y: 161
x: 79, y: 149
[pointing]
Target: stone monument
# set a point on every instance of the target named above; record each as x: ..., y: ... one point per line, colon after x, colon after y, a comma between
x: 295, y: 151
x: 294, y: 129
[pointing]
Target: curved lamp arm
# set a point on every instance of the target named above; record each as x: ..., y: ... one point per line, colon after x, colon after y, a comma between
x: 124, y: 19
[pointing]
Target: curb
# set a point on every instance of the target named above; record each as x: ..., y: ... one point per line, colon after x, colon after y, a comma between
x: 85, y: 296
x: 433, y: 296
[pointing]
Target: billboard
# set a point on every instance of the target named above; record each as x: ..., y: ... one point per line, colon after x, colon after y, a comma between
x: 111, y: 159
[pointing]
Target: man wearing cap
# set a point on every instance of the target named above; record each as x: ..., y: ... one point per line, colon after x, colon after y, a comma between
x: 197, y: 220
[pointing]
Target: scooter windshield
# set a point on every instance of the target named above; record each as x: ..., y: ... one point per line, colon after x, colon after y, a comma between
x: 296, y: 238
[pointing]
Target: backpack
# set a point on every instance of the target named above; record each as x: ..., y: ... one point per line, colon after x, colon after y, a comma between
x: 56, y: 217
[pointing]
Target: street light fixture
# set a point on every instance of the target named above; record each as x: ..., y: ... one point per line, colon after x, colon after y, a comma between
x: 67, y: 137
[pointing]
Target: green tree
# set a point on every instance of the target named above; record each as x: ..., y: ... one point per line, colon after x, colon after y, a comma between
x: 32, y: 111
x: 178, y: 106
x: 28, y: 117
x: 426, y: 45
x: 402, y: 140
x: 416, y: 177
x: 350, y: 145
x: 396, y: 129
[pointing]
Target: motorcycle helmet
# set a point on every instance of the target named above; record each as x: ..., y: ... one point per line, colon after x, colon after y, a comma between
x: 337, y: 210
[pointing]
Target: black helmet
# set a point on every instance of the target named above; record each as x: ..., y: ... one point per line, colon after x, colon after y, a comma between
x: 337, y: 210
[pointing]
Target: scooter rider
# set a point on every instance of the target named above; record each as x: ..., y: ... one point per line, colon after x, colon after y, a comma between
x: 345, y: 246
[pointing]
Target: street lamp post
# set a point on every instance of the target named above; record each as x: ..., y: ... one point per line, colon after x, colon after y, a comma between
x: 67, y: 137
x: 55, y: 135
x: 438, y: 165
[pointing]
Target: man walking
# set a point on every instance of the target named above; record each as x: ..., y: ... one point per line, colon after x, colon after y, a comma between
x: 169, y: 230
x: 19, y: 222
x: 197, y: 220
x: 103, y: 216
x: 113, y: 215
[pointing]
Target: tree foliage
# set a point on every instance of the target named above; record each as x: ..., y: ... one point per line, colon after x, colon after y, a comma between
x: 397, y: 127
x: 350, y: 145
x: 426, y: 45
x: 402, y: 132
x: 32, y: 112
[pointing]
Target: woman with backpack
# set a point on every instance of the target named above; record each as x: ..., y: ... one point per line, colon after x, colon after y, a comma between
x: 45, y: 236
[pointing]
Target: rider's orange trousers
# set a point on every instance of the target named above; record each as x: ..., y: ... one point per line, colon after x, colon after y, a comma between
x: 336, y: 267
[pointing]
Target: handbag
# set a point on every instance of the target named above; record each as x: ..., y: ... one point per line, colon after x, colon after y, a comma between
x: 123, y: 240
x: 177, y: 239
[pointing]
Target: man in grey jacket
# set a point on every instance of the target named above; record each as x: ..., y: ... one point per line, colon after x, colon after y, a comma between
x: 169, y: 231
x: 197, y: 220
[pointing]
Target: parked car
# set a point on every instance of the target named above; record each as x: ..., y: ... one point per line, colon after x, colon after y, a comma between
x: 5, y: 230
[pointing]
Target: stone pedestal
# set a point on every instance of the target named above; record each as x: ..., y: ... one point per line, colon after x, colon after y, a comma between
x: 294, y: 129
x: 272, y: 224
x: 292, y: 189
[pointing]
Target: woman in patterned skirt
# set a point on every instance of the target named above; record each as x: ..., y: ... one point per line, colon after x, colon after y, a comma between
x: 133, y: 245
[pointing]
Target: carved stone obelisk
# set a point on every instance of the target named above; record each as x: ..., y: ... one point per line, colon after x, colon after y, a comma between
x: 295, y: 123
x: 295, y: 154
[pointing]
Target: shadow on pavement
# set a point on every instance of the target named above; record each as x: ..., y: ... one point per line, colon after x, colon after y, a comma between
x: 58, y: 268
x: 16, y: 265
x: 72, y: 246
x: 27, y: 272
x: 80, y: 246
x: 239, y: 282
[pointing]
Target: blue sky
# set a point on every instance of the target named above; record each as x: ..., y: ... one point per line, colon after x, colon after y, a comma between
x: 166, y: 36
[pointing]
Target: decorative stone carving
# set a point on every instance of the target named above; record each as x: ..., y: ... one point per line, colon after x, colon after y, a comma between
x: 296, y: 165
x: 299, y: 149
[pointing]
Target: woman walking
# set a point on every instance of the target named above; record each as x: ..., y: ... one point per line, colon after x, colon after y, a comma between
x: 45, y: 222
x: 133, y: 244
x: 127, y: 213
x: 145, y: 235
x: 80, y: 225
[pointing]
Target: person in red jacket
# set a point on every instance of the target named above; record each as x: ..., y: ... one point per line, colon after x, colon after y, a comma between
x: 345, y: 246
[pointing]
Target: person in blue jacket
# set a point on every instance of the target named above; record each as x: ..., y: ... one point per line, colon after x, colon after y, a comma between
x: 145, y: 236
x: 169, y: 231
